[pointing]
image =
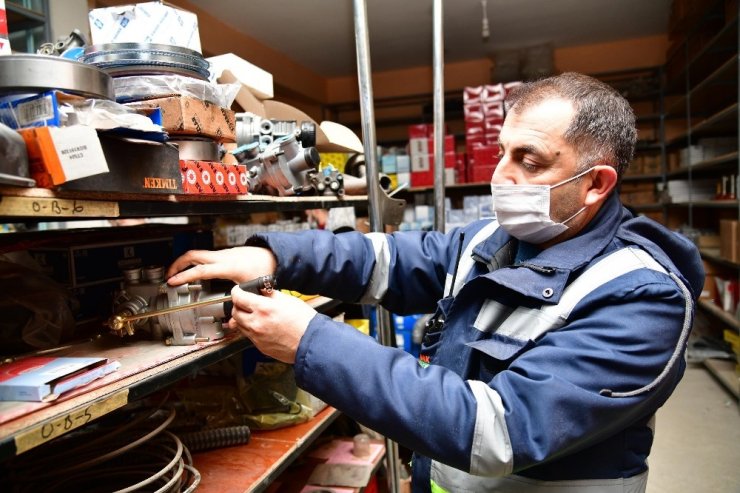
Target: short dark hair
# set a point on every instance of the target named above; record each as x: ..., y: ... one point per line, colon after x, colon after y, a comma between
x: 603, y: 128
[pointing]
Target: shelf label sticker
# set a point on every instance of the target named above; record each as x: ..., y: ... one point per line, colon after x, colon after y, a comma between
x: 54, y: 207
x: 48, y: 430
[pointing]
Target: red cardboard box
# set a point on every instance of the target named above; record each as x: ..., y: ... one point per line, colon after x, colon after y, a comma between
x: 473, y: 112
x: 493, y: 109
x: 422, y: 178
x: 493, y: 92
x: 473, y: 95
x: 480, y: 174
x: 486, y: 155
x: 420, y: 131
x: 207, y: 177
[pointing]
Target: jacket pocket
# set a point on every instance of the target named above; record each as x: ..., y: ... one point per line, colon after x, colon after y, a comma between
x: 497, y: 353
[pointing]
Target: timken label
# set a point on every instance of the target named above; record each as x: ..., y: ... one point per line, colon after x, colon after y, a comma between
x: 160, y: 183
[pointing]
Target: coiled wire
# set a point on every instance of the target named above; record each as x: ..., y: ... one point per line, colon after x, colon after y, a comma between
x: 138, y: 455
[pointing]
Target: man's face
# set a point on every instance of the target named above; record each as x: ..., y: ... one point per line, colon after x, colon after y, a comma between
x: 533, y: 151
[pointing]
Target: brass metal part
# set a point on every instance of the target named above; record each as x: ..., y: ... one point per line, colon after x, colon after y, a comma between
x: 118, y: 322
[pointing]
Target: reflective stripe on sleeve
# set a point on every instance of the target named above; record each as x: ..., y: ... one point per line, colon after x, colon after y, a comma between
x: 381, y: 272
x: 491, y: 453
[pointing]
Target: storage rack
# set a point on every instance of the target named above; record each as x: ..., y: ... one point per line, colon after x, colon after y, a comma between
x: 160, y: 365
x: 702, y: 83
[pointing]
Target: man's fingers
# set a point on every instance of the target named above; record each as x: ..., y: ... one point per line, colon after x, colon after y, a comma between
x: 205, y: 265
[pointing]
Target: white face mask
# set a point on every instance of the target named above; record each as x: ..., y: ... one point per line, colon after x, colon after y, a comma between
x: 524, y: 211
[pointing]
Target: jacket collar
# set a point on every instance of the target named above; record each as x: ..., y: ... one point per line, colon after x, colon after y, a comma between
x: 545, y: 276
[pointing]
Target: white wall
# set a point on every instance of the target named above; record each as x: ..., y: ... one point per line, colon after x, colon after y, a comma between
x: 67, y: 15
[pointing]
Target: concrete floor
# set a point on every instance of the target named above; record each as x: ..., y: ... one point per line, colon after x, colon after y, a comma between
x: 697, y: 439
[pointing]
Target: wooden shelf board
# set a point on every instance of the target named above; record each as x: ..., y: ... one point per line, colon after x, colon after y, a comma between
x: 44, y: 203
x: 252, y: 467
x: 146, y: 366
x: 718, y: 312
x: 724, y: 372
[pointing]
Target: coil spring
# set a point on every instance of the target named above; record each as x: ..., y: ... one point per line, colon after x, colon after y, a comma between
x: 226, y: 436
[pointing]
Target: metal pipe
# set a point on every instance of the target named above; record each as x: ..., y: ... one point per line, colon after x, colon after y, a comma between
x: 371, y: 162
x: 439, y: 119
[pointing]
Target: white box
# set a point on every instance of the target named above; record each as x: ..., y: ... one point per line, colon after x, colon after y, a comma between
x: 148, y: 22
x: 420, y: 162
x: 403, y: 163
x: 257, y: 80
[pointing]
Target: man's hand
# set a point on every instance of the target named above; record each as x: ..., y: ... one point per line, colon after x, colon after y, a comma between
x: 236, y: 264
x: 274, y: 322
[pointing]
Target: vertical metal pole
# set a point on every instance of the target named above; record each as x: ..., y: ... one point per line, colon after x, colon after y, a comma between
x: 371, y: 162
x: 439, y: 119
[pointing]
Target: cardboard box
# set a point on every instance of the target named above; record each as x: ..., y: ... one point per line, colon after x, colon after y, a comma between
x: 729, y: 232
x: 4, y: 41
x: 184, y: 115
x: 40, y: 110
x: 135, y: 166
x: 43, y: 378
x: 58, y: 155
x: 148, y: 22
x: 258, y: 81
x: 480, y: 174
x: 206, y: 178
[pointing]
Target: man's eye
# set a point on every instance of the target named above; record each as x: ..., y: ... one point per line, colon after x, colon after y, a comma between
x: 529, y: 166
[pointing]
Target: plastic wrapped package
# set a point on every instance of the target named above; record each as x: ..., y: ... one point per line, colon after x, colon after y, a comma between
x: 13, y: 158
x: 37, y: 311
x: 141, y: 87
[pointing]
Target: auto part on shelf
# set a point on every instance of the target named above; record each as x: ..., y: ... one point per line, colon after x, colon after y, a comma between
x: 285, y: 167
x: 122, y: 59
x: 252, y: 128
x: 328, y: 180
x: 197, y: 149
x: 29, y: 73
x: 13, y: 159
x: 182, y: 315
x: 75, y: 40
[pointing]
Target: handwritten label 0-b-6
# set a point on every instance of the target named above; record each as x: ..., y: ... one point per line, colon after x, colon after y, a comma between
x: 48, y: 207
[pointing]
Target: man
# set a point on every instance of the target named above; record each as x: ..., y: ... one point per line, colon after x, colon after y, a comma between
x: 560, y: 327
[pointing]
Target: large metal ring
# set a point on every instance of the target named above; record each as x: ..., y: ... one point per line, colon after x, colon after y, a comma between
x: 29, y: 73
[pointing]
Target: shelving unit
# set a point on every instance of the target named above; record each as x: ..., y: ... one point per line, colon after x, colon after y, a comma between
x: 19, y: 203
x: 702, y: 86
x: 146, y: 366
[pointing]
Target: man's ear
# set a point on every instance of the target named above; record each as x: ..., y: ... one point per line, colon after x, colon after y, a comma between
x: 603, y: 181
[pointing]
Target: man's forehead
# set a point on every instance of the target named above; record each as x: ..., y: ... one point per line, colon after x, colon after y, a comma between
x: 550, y: 116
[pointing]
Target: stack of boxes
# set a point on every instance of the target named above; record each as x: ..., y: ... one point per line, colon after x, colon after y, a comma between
x: 483, y: 107
x: 421, y: 153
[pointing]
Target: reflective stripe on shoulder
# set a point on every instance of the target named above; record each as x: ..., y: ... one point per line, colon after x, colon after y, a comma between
x: 530, y: 323
x: 447, y: 479
x: 466, y: 259
x: 381, y: 272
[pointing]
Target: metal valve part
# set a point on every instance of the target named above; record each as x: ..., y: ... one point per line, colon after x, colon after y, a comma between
x: 284, y: 168
x: 251, y: 128
x: 144, y: 290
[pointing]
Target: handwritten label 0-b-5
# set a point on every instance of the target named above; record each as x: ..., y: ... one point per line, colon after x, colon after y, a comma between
x: 48, y: 430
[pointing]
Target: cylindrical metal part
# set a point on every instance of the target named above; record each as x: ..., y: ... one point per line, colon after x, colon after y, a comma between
x: 439, y: 119
x: 376, y: 221
x: 197, y: 149
x: 38, y: 73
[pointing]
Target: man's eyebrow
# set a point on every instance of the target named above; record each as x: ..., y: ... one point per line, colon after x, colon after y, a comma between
x: 522, y: 149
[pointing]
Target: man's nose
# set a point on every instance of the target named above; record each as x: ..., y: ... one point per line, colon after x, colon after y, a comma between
x: 503, y: 174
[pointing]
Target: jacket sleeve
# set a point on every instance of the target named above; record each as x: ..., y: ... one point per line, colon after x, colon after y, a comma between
x: 405, y: 272
x: 387, y: 390
x: 553, y: 393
